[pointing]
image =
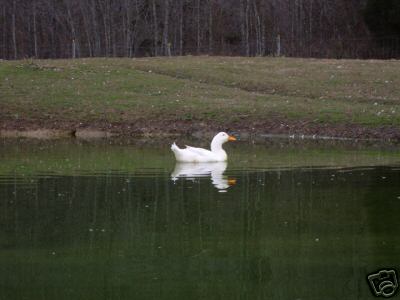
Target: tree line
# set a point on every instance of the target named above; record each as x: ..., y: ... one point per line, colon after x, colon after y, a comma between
x: 133, y: 28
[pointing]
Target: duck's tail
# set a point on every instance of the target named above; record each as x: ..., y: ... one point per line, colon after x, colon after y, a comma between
x: 174, y: 148
x: 176, y: 151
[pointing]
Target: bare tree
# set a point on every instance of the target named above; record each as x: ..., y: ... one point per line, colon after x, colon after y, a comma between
x: 13, y: 28
x: 155, y: 27
x: 79, y: 28
x: 198, y: 41
x: 35, y: 42
x: 210, y: 26
x: 181, y: 27
x: 166, y: 45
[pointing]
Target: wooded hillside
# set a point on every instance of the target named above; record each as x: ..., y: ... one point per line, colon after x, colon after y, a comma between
x: 131, y: 28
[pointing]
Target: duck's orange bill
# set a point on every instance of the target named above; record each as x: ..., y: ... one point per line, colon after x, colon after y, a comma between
x: 231, y: 181
x: 231, y: 138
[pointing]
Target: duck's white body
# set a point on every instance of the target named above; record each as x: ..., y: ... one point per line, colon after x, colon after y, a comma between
x: 192, y: 154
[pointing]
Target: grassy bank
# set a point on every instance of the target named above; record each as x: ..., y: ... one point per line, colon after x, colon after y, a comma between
x: 186, y: 94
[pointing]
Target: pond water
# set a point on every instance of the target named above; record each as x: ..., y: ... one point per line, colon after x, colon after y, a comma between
x: 281, y: 220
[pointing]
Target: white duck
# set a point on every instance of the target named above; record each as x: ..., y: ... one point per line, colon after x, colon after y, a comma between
x: 192, y: 154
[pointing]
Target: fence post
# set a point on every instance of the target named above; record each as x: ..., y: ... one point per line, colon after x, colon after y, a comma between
x: 278, y: 45
x: 169, y: 49
x: 73, y: 48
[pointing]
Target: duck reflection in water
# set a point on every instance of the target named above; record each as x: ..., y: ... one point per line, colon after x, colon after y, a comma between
x: 215, y: 170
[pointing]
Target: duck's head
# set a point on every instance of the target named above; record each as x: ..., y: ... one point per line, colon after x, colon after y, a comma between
x: 223, y: 137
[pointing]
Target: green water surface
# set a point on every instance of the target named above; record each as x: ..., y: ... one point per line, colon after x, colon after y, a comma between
x: 120, y: 220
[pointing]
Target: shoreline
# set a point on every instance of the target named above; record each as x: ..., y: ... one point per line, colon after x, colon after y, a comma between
x: 245, y: 129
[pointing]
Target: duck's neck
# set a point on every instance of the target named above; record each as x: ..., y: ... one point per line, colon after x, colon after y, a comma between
x: 216, y: 146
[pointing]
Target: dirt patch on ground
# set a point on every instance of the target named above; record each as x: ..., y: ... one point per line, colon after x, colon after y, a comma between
x: 151, y: 128
x: 88, y: 134
x: 36, y: 134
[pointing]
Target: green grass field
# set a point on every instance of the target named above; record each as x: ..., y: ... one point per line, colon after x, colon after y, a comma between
x: 220, y: 90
